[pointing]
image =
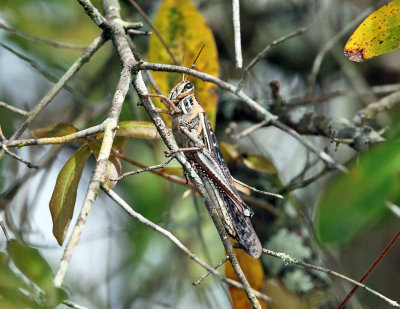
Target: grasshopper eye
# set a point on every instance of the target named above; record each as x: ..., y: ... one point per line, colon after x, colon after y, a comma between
x: 188, y: 86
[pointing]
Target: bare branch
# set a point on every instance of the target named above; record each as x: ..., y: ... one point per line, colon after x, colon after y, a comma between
x: 262, y: 54
x: 371, y: 110
x: 258, y: 191
x: 236, y: 31
x: 13, y: 155
x: 94, y: 14
x: 287, y: 259
x: 14, y: 109
x: 3, y: 227
x: 226, y: 258
x: 270, y: 118
x: 92, y: 48
x: 71, y: 304
x: 144, y: 170
x: 55, y: 140
x: 175, y: 241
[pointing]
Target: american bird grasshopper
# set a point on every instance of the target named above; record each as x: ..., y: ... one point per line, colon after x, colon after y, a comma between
x: 193, y: 133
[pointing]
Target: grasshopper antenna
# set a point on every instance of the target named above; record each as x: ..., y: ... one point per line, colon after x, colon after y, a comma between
x: 197, y: 57
x: 194, y: 62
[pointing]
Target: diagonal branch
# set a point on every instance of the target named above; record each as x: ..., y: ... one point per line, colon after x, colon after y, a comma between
x: 124, y: 205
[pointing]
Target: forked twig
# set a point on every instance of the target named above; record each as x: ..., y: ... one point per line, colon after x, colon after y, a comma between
x: 262, y: 54
x: 226, y: 258
x: 146, y: 169
x: 258, y: 191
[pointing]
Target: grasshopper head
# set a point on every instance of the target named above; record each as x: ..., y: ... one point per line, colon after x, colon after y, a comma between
x: 182, y: 95
x: 181, y: 90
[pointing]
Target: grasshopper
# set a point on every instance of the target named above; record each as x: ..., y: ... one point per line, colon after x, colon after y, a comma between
x: 193, y: 133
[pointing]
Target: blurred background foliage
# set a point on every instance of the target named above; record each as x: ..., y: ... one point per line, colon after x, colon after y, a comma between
x: 120, y: 263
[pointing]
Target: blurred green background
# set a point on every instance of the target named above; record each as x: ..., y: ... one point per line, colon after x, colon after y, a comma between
x: 119, y: 262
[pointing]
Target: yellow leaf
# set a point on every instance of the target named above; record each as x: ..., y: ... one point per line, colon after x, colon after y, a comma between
x: 254, y: 273
x: 259, y: 163
x: 228, y: 151
x: 54, y: 130
x: 185, y: 31
x: 379, y: 33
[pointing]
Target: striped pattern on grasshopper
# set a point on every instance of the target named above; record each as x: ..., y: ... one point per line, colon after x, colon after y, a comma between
x: 193, y: 133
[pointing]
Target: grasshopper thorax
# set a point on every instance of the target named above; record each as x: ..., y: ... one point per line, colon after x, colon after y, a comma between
x: 183, y: 97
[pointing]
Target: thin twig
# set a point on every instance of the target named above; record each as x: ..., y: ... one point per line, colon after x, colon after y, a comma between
x: 226, y: 258
x: 262, y: 54
x: 3, y: 227
x: 258, y: 191
x: 94, y: 14
x: 74, y: 68
x: 252, y: 129
x: 290, y: 260
x: 158, y: 34
x: 18, y: 158
x: 138, y: 32
x: 71, y: 304
x: 36, y: 39
x: 237, y: 35
x: 111, y: 9
x: 395, y: 209
x: 14, y: 109
x: 160, y: 173
x: 371, y: 269
x: 372, y: 109
x: 124, y: 205
x: 270, y: 118
x: 146, y: 169
x: 55, y: 140
x: 295, y: 183
x: 295, y: 102
x: 14, y: 155
x: 320, y: 154
x: 331, y: 43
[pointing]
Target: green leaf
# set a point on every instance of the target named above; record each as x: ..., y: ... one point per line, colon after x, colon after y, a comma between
x: 139, y: 129
x: 8, y: 279
x: 378, y: 34
x: 64, y: 195
x: 185, y: 31
x: 33, y: 266
x: 54, y: 130
x: 356, y: 200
